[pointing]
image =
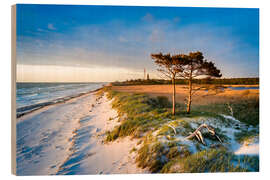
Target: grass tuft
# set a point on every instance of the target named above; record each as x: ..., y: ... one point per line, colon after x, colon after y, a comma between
x: 212, y: 160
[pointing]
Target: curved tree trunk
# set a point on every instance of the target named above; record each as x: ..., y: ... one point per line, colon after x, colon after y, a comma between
x: 189, y: 96
x: 173, y: 96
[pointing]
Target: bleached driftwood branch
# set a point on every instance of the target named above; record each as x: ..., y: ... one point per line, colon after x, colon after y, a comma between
x: 230, y: 108
x: 172, y: 128
x: 198, y: 134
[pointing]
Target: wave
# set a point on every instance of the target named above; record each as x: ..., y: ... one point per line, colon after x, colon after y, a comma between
x: 33, y: 107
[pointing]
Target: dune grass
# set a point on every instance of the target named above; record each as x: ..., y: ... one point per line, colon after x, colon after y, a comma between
x: 150, y: 119
x: 245, y: 110
x: 213, y: 160
x: 139, y: 114
x: 245, y: 135
x: 155, y: 154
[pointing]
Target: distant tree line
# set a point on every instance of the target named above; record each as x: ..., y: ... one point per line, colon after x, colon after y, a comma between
x: 219, y: 81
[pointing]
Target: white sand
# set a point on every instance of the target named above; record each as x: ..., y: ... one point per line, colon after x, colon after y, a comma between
x: 252, y: 149
x: 68, y: 139
x: 249, y: 147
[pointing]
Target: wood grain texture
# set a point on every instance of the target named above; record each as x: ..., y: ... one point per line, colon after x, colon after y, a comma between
x: 13, y: 89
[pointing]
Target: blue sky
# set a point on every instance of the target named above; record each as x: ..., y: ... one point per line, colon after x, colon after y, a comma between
x: 110, y: 43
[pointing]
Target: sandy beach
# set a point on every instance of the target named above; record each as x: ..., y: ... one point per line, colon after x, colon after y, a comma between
x: 67, y: 138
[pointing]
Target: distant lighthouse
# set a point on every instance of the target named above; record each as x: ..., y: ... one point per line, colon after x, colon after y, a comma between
x: 144, y: 74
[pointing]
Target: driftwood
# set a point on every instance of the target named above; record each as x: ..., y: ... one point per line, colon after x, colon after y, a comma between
x: 172, y: 128
x: 230, y: 108
x: 198, y: 134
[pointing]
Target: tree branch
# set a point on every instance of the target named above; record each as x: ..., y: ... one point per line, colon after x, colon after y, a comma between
x: 197, y: 133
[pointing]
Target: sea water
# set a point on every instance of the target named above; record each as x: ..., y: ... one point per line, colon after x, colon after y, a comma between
x: 243, y: 87
x: 30, y: 96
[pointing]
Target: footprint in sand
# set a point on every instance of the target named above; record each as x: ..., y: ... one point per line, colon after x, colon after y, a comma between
x: 115, y: 162
x: 123, y: 164
x: 53, y: 166
x: 59, y: 147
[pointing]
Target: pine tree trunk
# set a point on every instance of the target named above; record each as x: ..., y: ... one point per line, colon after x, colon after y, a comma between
x: 189, y: 96
x: 173, y: 96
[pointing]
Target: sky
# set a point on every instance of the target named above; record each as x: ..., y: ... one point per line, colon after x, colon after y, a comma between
x: 73, y: 43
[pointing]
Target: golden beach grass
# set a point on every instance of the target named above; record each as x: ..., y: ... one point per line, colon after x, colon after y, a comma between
x: 201, y: 97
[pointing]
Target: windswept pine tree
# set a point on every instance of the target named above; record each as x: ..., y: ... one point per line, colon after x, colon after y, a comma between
x: 192, y: 66
x: 188, y: 67
x: 169, y: 66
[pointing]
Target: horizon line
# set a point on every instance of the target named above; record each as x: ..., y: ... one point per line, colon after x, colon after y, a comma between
x: 120, y: 81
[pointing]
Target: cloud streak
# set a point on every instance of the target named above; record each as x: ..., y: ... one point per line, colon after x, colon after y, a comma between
x: 51, y: 26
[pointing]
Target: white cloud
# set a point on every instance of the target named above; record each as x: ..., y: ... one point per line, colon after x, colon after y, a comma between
x: 156, y: 36
x: 148, y: 17
x: 51, y: 27
x: 122, y: 39
x: 41, y: 30
x: 55, y: 73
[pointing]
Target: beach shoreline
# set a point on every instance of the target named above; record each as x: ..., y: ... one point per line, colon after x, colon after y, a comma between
x: 39, y: 106
x: 68, y: 138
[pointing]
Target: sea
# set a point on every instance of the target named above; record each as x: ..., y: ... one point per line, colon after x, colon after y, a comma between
x: 32, y: 96
x: 243, y: 87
